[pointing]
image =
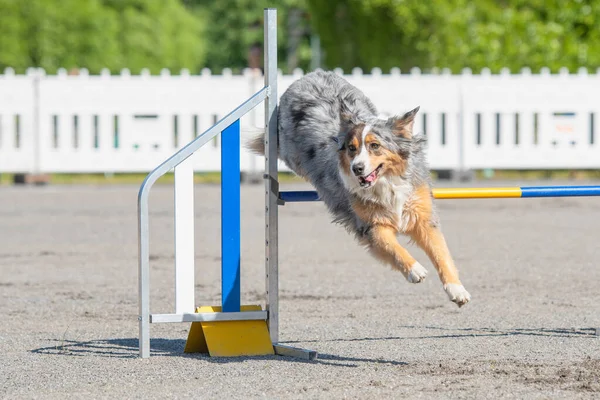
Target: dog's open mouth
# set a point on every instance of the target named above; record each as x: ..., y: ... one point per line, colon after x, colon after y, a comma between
x: 369, y: 180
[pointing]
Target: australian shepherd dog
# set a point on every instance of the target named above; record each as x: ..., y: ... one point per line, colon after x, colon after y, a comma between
x: 371, y: 172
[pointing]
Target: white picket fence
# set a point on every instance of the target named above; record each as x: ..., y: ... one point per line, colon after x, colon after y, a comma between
x: 131, y: 123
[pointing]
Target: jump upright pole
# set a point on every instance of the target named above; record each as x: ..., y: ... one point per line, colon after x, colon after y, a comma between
x: 271, y: 175
x: 272, y: 193
x: 230, y: 218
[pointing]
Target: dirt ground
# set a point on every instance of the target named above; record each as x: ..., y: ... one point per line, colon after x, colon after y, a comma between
x: 68, y: 300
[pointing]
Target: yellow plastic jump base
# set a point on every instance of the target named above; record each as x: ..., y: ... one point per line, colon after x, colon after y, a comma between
x: 229, y: 338
x: 237, y: 338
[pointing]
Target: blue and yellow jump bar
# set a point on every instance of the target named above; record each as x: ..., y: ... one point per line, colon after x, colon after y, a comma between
x: 475, y: 193
x: 516, y: 192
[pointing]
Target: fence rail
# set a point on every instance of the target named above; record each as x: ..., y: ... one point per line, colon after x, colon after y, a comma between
x: 130, y: 123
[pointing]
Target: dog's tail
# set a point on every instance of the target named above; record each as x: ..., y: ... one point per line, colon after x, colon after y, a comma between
x: 256, y: 144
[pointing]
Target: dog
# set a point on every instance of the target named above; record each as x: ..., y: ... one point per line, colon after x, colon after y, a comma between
x: 371, y: 172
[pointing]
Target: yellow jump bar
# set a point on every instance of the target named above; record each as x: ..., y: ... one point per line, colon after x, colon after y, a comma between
x: 477, y: 193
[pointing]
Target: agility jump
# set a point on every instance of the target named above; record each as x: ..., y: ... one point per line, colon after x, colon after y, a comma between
x: 233, y: 329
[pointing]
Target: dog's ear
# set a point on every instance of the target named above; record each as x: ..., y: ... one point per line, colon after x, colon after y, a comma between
x: 340, y: 140
x: 403, y: 126
x: 347, y: 118
x: 347, y: 122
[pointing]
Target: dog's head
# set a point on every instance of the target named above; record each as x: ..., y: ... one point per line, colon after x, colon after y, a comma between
x: 375, y: 148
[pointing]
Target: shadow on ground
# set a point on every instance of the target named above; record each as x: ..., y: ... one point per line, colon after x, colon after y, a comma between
x: 128, y: 347
x: 472, y: 332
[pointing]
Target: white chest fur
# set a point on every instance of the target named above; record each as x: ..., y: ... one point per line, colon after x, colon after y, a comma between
x: 402, y: 191
x: 394, y: 193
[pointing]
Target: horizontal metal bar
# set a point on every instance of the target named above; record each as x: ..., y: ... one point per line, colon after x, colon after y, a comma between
x: 473, y: 193
x: 296, y: 352
x: 209, y: 317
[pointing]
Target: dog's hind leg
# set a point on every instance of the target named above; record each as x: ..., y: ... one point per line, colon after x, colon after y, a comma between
x: 383, y: 244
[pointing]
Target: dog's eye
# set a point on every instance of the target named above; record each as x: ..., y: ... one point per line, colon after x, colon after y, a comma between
x: 351, y: 147
x: 374, y: 146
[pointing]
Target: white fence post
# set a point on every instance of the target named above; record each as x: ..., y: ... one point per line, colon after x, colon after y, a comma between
x: 17, y: 112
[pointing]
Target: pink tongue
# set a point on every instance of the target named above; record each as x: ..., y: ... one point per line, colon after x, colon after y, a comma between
x: 371, y: 177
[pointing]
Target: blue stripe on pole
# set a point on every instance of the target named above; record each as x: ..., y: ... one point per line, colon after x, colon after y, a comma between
x: 559, y: 191
x: 230, y: 218
x: 297, y: 196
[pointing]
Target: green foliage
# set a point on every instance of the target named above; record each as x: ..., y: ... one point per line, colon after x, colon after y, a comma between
x: 235, y: 27
x: 458, y: 33
x: 96, y: 34
x: 219, y: 34
x: 71, y: 34
x: 157, y: 34
x: 12, y: 36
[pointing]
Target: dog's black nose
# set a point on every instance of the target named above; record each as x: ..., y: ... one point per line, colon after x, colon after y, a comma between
x: 358, y: 169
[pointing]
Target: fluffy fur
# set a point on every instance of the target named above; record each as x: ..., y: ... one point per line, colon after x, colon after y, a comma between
x: 371, y: 172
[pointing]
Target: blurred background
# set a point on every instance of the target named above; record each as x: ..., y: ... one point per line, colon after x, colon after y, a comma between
x: 41, y: 40
x: 196, y: 34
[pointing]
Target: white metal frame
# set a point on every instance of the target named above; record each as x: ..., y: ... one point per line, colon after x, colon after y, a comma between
x: 184, y: 226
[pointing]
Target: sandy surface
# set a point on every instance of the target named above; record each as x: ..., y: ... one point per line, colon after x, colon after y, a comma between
x: 68, y: 301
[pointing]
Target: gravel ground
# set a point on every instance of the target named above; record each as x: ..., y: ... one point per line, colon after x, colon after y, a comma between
x: 68, y: 291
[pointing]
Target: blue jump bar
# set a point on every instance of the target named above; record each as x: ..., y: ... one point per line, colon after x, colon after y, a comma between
x: 298, y: 196
x: 559, y: 191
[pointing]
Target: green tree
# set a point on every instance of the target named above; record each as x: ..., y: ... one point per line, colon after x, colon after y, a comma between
x: 234, y: 31
x: 71, y: 34
x: 96, y: 34
x: 458, y: 33
x: 13, y: 43
x: 158, y: 34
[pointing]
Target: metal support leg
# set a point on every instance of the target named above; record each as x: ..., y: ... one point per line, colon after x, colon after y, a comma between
x: 272, y: 192
x: 143, y: 276
x: 271, y: 177
x: 289, y: 351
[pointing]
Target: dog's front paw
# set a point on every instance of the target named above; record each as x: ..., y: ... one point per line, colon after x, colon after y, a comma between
x: 457, y: 294
x: 417, y: 273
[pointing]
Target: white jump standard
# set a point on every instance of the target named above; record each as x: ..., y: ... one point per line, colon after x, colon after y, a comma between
x: 184, y: 225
